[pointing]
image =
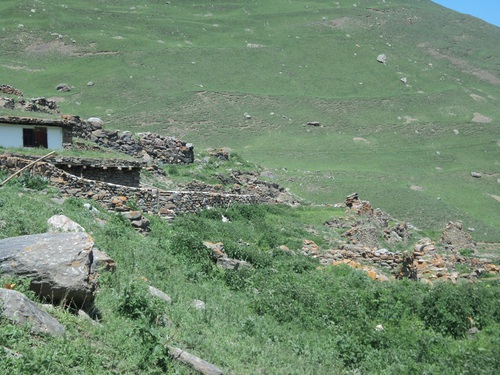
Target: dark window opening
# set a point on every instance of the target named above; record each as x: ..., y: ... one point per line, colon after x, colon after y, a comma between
x: 36, y: 137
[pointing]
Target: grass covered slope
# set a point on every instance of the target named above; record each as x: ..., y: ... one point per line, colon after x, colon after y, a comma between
x: 193, y: 69
x: 286, y: 315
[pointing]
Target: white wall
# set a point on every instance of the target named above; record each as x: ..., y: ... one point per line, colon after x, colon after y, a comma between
x: 12, y: 135
x: 54, y: 138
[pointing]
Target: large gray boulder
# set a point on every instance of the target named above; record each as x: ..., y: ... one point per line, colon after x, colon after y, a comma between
x: 20, y: 310
x: 60, y: 265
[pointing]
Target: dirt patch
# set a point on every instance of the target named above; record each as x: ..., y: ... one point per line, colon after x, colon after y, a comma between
x: 416, y: 188
x: 409, y: 120
x: 376, y: 10
x: 477, y: 98
x: 253, y: 45
x: 56, y: 99
x: 480, y: 118
x: 25, y: 68
x: 97, y: 53
x: 464, y: 66
x: 495, y: 197
x: 361, y: 140
x: 55, y: 46
x: 337, y: 23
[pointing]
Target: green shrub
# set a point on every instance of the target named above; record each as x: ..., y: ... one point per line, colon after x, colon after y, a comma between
x: 34, y: 182
x: 452, y: 309
x: 466, y: 252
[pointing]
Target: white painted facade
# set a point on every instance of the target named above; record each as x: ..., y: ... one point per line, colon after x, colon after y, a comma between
x: 11, y: 135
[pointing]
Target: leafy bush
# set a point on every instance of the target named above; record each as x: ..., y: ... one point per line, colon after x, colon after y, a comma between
x: 452, y: 309
x: 34, y: 182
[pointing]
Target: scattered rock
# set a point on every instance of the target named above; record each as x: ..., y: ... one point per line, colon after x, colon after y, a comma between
x: 313, y: 123
x: 480, y: 118
x: 63, y: 87
x: 382, y: 58
x: 233, y: 264
x: 476, y: 174
x: 159, y: 294
x: 196, y: 363
x: 198, y: 304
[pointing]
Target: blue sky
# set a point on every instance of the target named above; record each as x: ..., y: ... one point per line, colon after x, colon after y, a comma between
x: 487, y: 10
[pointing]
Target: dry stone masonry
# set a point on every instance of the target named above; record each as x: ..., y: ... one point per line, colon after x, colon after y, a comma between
x: 166, y: 204
x: 148, y: 147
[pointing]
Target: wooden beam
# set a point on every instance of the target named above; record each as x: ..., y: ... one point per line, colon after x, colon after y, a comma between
x: 26, y: 167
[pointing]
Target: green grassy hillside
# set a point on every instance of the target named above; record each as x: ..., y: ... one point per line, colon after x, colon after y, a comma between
x: 193, y: 69
x: 286, y: 315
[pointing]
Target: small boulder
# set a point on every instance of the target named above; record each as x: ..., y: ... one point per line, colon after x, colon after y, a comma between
x: 61, y: 223
x: 382, y: 58
x: 63, y: 87
x: 95, y: 121
x: 19, y: 309
x: 159, y: 294
x: 198, y: 304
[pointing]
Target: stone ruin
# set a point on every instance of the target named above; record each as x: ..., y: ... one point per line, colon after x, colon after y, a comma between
x: 149, y: 147
x: 365, y: 232
x: 41, y: 104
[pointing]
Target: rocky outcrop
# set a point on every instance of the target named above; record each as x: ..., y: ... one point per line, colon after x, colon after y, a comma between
x: 59, y: 265
x: 20, y: 310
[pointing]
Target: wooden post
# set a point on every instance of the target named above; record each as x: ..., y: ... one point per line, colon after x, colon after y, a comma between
x: 26, y: 167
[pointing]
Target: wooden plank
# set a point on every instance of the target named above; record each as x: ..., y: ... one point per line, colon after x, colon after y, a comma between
x: 26, y: 167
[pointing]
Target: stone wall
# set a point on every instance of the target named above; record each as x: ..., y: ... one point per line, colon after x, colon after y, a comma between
x: 126, y: 176
x: 149, y: 147
x: 154, y: 201
x: 115, y: 171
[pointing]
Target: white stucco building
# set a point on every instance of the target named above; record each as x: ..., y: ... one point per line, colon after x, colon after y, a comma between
x: 34, y: 132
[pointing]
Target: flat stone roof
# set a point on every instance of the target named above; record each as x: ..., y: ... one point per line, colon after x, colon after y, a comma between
x: 16, y: 120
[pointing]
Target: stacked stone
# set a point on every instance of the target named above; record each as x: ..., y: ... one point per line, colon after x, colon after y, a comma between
x: 150, y: 200
x: 147, y: 146
x: 41, y: 104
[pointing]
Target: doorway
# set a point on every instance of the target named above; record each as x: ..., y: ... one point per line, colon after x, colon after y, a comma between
x: 36, y: 137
